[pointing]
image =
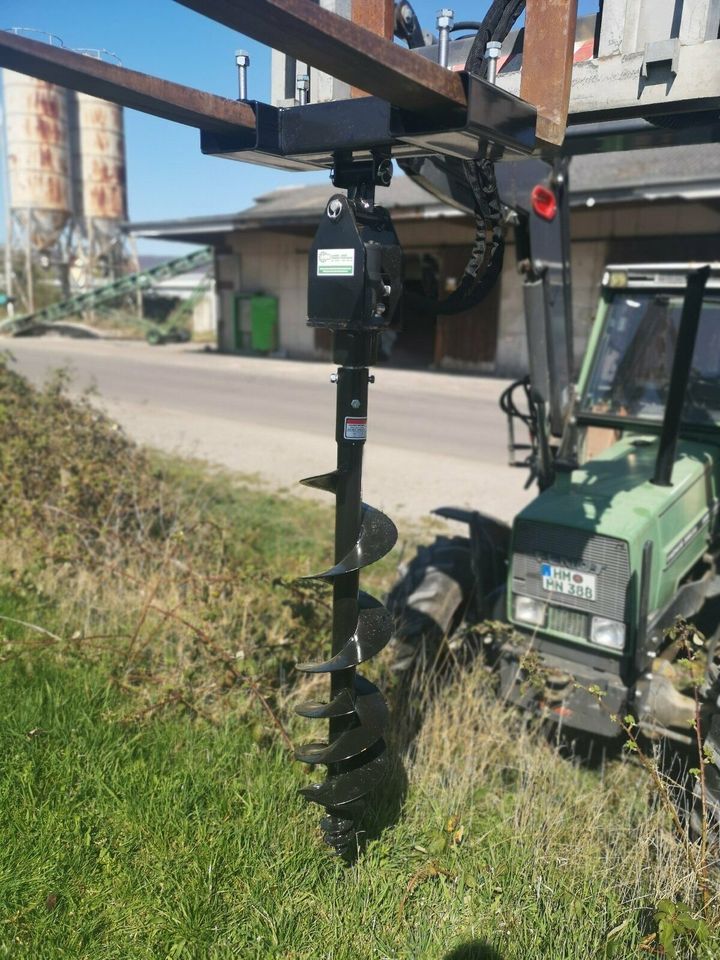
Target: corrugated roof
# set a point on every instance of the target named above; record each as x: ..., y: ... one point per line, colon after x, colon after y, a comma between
x: 296, y: 205
x: 637, y: 171
x: 402, y: 194
x: 681, y: 171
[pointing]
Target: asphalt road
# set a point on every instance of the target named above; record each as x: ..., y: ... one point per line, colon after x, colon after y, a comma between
x: 434, y: 438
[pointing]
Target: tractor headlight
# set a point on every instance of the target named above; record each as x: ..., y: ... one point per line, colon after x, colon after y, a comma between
x: 530, y: 610
x: 608, y: 633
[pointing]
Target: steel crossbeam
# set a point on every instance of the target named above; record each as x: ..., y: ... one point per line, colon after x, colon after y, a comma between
x: 341, y: 48
x: 141, y: 91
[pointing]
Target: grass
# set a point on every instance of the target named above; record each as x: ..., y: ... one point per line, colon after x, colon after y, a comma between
x: 148, y: 804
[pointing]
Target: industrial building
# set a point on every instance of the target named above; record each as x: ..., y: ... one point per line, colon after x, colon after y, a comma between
x: 631, y: 207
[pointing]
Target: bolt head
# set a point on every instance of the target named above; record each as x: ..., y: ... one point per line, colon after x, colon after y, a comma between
x: 333, y: 378
x: 242, y: 58
x: 384, y: 173
x: 445, y: 18
x: 493, y: 48
x: 355, y: 404
x: 334, y: 209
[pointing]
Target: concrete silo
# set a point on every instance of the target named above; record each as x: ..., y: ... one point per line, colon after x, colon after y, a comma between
x: 39, y: 180
x: 98, y: 160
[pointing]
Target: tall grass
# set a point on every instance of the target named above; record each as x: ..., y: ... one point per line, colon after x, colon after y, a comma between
x: 148, y: 801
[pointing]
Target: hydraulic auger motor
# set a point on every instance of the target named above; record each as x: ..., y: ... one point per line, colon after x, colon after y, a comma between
x: 353, y: 289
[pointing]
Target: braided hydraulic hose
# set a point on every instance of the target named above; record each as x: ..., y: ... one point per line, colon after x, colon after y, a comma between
x: 486, y: 258
x: 353, y: 288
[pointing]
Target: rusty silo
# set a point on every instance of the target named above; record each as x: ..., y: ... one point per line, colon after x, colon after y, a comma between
x: 98, y: 154
x: 39, y: 194
x: 38, y: 166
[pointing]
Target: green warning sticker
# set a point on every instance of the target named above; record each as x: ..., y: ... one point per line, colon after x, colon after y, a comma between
x: 339, y: 262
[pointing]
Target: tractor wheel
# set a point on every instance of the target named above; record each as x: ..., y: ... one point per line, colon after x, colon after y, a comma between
x: 429, y: 601
x: 711, y: 751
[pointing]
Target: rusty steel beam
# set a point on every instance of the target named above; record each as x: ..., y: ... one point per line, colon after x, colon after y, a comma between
x: 377, y: 16
x: 302, y: 29
x: 140, y: 91
x: 547, y: 64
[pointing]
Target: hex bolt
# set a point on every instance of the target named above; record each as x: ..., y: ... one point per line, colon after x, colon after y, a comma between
x: 492, y: 52
x: 444, y: 22
x: 303, y: 88
x: 384, y: 173
x: 355, y: 404
x: 371, y: 378
x: 334, y: 209
x: 333, y: 378
x: 242, y: 59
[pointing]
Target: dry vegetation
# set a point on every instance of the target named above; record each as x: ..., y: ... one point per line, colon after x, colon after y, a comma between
x: 149, y: 627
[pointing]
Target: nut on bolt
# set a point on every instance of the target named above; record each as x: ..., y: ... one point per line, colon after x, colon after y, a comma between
x: 444, y: 23
x: 492, y: 52
x: 242, y: 61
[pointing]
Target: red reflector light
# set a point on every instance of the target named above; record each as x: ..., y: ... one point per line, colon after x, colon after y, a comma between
x: 544, y: 203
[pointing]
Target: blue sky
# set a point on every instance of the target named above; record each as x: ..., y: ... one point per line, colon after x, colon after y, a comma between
x: 167, y: 174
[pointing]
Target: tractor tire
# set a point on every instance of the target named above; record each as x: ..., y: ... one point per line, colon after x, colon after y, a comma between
x: 711, y: 758
x: 429, y: 601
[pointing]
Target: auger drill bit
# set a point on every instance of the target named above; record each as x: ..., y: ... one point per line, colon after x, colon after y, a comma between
x: 353, y: 289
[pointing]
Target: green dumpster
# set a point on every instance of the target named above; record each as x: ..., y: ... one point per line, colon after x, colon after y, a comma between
x: 263, y: 324
x: 256, y: 322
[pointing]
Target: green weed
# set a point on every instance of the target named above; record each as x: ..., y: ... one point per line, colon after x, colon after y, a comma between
x: 148, y: 805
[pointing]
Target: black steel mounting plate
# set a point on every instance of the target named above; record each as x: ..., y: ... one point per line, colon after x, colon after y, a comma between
x: 495, y: 124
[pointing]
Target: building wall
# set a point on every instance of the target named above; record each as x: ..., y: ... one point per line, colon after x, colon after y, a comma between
x: 204, y: 316
x: 276, y: 263
x: 632, y: 233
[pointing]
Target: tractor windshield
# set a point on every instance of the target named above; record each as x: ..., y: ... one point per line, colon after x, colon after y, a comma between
x: 631, y: 370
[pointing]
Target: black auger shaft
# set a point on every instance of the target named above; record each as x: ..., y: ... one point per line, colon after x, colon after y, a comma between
x: 353, y: 288
x: 350, y: 432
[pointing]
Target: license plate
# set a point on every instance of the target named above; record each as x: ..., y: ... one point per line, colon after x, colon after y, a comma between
x: 569, y: 582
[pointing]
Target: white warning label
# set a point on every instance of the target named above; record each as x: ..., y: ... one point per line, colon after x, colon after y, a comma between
x: 339, y: 262
x: 355, y: 428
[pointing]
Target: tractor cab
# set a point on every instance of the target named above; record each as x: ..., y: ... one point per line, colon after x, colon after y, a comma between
x: 625, y: 380
x: 622, y: 540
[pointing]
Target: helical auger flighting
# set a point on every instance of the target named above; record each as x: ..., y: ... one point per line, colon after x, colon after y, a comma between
x: 353, y: 288
x: 355, y: 753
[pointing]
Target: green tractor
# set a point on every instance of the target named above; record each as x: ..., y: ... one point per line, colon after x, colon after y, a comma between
x: 620, y: 548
